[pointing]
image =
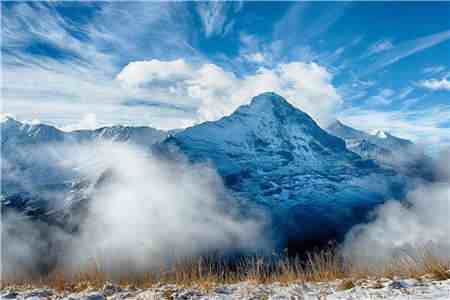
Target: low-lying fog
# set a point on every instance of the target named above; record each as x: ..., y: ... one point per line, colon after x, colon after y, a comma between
x: 145, y: 211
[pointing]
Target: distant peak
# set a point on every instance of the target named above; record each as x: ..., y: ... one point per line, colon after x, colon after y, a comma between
x: 381, y: 134
x: 5, y: 119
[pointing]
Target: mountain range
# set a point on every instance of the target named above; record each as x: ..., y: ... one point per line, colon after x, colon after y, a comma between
x: 387, y: 150
x: 314, y: 183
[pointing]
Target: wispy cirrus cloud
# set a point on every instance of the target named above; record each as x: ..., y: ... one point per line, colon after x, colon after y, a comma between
x: 380, y: 46
x: 406, y: 49
x: 296, y: 24
x: 383, y: 97
x: 297, y: 45
x: 405, y: 92
x: 72, y: 66
x: 215, y: 16
x: 434, y: 69
x: 65, y: 68
x: 387, y: 96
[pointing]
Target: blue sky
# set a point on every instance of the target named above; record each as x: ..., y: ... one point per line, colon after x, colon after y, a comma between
x: 372, y: 65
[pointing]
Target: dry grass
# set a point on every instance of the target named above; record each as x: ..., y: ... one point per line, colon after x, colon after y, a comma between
x: 208, y: 272
x: 416, y: 264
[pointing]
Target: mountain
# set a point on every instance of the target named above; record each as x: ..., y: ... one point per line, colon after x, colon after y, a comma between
x: 382, y: 139
x: 32, y: 156
x: 273, y: 159
x: 15, y: 133
x: 345, y: 132
x: 142, y: 136
x: 278, y: 157
x: 386, y: 149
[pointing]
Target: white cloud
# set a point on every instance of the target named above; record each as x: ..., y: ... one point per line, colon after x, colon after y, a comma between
x: 387, y: 96
x: 217, y: 92
x: 405, y: 93
x: 434, y: 69
x: 420, y: 222
x: 214, y: 16
x: 259, y: 52
x: 384, y: 97
x: 294, y: 21
x: 380, y: 46
x: 171, y: 218
x: 406, y: 49
x: 88, y: 121
x: 436, y: 84
x: 152, y: 70
x: 256, y: 57
x: 80, y: 79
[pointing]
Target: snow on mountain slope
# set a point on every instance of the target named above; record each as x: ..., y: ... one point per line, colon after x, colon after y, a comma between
x: 142, y: 136
x: 380, y: 138
x: 15, y: 133
x: 270, y: 154
x: 346, y: 132
x: 277, y: 156
x: 387, y: 150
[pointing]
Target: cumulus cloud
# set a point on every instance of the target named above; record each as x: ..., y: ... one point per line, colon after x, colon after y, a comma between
x: 218, y: 92
x: 436, y: 84
x: 79, y: 58
x: 133, y: 74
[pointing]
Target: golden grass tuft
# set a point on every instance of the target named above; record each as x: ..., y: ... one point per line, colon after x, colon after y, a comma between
x: 208, y: 272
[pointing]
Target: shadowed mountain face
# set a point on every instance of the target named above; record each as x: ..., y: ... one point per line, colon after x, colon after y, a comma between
x: 275, y: 155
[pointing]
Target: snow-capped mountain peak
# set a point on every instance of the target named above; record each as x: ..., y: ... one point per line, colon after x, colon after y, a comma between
x: 268, y: 153
x: 268, y: 124
x: 275, y: 155
x: 272, y: 104
x: 267, y: 101
x: 265, y: 141
x: 386, y: 149
x: 381, y: 134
